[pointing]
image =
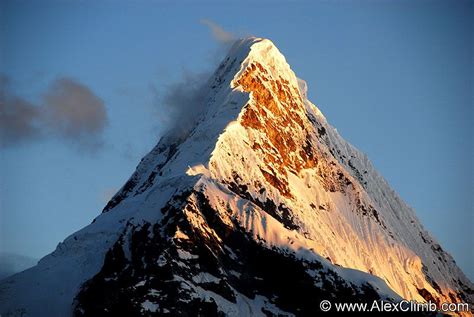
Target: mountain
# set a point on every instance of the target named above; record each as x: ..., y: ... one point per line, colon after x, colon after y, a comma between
x: 11, y: 263
x: 258, y: 208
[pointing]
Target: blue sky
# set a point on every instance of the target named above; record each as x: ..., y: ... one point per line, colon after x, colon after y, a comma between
x: 394, y: 77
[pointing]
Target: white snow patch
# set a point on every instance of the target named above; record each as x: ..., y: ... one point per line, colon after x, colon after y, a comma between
x: 205, y: 277
x: 198, y: 170
x: 185, y: 255
x: 153, y: 292
x: 141, y: 283
x: 150, y: 306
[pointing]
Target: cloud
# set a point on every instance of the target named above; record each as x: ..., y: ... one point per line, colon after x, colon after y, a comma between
x: 69, y: 111
x: 18, y: 121
x: 4, y: 84
x: 183, y: 101
x: 219, y: 34
x: 75, y: 113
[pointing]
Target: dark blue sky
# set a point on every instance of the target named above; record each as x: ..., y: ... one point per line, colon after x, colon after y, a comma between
x: 394, y: 77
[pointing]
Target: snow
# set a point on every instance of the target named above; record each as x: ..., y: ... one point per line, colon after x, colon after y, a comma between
x: 185, y: 255
x: 52, y: 280
x: 205, y: 277
x: 161, y: 260
x: 198, y: 170
x: 394, y: 252
x: 392, y: 248
x: 245, y: 306
x: 149, y: 306
x: 236, y: 274
x: 153, y: 292
x: 141, y: 283
x: 265, y: 228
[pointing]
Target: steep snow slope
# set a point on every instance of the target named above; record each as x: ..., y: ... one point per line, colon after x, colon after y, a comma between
x: 260, y: 185
x: 329, y: 190
x: 11, y: 263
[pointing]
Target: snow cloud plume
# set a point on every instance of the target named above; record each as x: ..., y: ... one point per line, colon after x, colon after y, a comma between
x: 220, y: 35
x: 68, y: 111
x: 184, y: 100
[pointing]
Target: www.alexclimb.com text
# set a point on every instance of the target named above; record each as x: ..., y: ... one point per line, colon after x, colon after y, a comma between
x: 402, y: 306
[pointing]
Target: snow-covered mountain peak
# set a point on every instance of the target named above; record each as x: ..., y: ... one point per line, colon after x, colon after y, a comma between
x: 263, y: 52
x: 260, y: 184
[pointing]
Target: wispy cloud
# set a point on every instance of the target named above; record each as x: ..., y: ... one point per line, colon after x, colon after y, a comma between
x: 69, y: 111
x: 218, y: 32
x: 19, y: 119
x: 183, y: 101
x: 106, y: 194
x: 75, y: 113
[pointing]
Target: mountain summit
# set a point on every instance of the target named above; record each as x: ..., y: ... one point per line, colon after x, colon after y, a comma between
x: 258, y: 208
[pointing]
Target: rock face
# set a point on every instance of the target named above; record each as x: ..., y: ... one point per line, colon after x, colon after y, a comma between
x: 259, y: 208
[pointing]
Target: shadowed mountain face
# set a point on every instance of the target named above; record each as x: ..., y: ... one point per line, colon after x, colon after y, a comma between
x: 11, y: 263
x: 258, y: 208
